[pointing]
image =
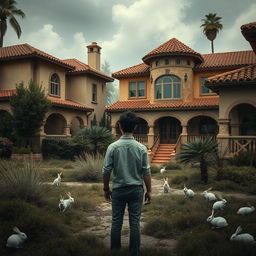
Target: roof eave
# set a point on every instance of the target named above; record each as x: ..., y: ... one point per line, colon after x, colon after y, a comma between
x: 131, y: 75
x: 72, y: 107
x: 83, y: 72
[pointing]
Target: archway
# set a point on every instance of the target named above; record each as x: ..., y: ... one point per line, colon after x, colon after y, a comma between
x: 202, y: 125
x: 168, y: 129
x: 55, y: 124
x: 243, y: 120
x: 76, y: 125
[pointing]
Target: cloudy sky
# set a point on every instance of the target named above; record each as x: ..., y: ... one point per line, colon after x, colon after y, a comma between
x: 127, y: 29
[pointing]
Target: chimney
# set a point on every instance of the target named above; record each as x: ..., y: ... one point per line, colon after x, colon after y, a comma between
x: 94, y: 55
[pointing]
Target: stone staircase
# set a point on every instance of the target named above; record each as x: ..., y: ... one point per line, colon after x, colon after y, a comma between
x: 163, y: 154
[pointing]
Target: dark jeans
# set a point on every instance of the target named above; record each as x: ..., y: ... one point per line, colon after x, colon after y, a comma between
x: 133, y: 197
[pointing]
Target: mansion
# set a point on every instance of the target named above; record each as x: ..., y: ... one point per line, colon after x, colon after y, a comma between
x: 180, y: 95
x: 75, y: 89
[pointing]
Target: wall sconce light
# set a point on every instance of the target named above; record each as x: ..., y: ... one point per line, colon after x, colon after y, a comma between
x: 185, y: 77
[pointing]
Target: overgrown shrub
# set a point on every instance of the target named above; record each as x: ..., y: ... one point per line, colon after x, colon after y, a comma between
x: 154, y: 168
x: 22, y: 150
x: 172, y: 166
x: 60, y: 148
x: 238, y: 175
x: 20, y: 181
x: 89, y: 167
x: 94, y: 139
x: 245, y: 158
x: 5, y: 148
x: 179, y: 179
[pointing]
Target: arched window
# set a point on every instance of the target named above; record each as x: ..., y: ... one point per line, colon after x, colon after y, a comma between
x: 167, y: 87
x: 55, y: 85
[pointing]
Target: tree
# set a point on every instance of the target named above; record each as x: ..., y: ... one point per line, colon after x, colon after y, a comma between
x: 211, y: 26
x: 8, y: 10
x: 111, y: 88
x: 29, y: 106
x: 6, y: 125
x: 199, y: 151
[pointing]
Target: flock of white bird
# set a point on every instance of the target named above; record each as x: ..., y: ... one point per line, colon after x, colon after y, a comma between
x: 16, y: 240
x: 216, y: 222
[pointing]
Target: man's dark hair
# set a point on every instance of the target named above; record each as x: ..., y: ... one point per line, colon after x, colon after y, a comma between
x: 128, y: 121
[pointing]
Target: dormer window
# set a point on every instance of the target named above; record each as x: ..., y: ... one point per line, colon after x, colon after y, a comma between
x: 55, y: 85
x: 168, y: 87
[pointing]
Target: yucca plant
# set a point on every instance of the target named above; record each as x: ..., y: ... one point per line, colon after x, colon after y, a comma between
x: 200, y: 151
x: 20, y: 181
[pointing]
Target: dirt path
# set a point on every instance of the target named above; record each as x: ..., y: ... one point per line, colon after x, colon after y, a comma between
x: 102, y: 218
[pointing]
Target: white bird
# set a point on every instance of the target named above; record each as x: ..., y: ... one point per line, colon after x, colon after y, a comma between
x: 246, y: 210
x: 217, y: 222
x: 162, y: 171
x: 209, y: 196
x: 189, y: 193
x: 242, y: 237
x: 57, y: 181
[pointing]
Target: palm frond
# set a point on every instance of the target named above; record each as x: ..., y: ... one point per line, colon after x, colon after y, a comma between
x: 15, y: 25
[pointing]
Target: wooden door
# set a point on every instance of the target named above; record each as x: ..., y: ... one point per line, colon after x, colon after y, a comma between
x: 170, y: 130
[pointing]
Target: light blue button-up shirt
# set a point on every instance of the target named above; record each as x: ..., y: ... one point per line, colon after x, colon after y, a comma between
x: 129, y: 161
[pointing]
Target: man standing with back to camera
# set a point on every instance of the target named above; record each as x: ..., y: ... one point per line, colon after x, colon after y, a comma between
x: 129, y: 161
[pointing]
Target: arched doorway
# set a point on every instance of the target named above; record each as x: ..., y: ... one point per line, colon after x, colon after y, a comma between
x: 55, y: 124
x: 169, y: 129
x: 202, y: 125
x: 142, y: 127
x: 243, y: 120
x: 76, y: 125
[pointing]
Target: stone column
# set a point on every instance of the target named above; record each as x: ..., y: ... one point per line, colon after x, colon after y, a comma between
x: 184, y: 133
x: 151, y: 136
x: 67, y: 130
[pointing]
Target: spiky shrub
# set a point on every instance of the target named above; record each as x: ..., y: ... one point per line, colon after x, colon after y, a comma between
x: 200, y: 151
x: 89, y: 167
x: 20, y: 181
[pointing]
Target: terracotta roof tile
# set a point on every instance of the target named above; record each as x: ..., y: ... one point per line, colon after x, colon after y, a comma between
x: 248, y: 25
x: 224, y: 60
x: 26, y: 50
x: 136, y: 70
x: 200, y: 103
x: 249, y: 33
x: 172, y: 47
x: 241, y: 75
x: 68, y: 103
x: 81, y: 67
x: 5, y: 94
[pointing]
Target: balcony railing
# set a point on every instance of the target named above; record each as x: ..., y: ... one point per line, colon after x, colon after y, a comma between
x: 142, y: 138
x: 56, y: 136
x: 237, y: 144
x: 191, y: 138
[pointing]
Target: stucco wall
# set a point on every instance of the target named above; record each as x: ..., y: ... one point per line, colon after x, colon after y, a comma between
x: 14, y: 72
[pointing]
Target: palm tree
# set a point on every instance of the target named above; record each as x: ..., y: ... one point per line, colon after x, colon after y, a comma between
x: 199, y: 151
x: 211, y: 26
x: 8, y: 10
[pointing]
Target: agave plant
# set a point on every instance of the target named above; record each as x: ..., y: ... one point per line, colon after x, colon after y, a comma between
x: 199, y: 151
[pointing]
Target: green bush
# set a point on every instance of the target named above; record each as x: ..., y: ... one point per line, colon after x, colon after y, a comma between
x: 246, y: 158
x: 179, y: 179
x: 5, y: 148
x: 89, y: 167
x: 172, y: 166
x: 20, y: 181
x: 154, y: 168
x: 238, y: 175
x: 60, y: 148
x: 22, y: 150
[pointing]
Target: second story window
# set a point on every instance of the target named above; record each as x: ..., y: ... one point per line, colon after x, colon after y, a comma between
x: 157, y: 63
x: 94, y: 93
x: 178, y: 61
x: 204, y: 89
x: 55, y: 85
x: 168, y: 87
x: 137, y: 89
x: 166, y: 61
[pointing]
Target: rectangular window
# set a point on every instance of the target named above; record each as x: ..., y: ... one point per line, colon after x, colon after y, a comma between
x: 204, y: 90
x: 94, y: 93
x: 137, y: 89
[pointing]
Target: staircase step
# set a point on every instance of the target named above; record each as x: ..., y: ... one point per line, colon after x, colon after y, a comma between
x: 164, y: 153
